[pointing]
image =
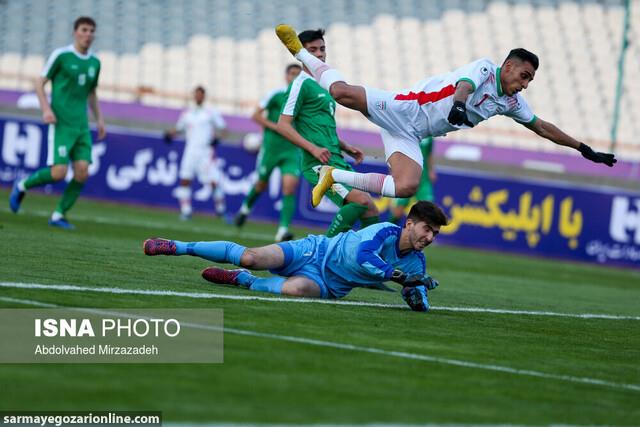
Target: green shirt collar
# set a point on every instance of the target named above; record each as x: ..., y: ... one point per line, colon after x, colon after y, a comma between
x: 498, y: 84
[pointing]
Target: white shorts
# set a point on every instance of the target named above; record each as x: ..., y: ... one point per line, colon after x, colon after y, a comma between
x: 199, y: 162
x: 399, y: 123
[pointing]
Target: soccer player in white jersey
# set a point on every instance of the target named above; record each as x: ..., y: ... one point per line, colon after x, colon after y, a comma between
x: 438, y: 105
x: 200, y: 125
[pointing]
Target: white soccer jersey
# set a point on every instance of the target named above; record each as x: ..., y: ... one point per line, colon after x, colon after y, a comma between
x: 435, y: 97
x: 199, y: 125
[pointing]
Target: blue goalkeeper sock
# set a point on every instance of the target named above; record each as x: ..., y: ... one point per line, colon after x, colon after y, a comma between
x: 270, y: 284
x: 222, y: 252
x: 261, y: 284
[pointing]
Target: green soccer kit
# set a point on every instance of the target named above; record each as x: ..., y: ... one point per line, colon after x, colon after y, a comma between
x: 313, y: 110
x: 277, y: 151
x: 73, y: 77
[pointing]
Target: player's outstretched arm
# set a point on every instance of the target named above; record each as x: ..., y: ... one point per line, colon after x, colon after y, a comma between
x: 286, y: 129
x: 413, y: 280
x: 95, y: 107
x: 553, y: 133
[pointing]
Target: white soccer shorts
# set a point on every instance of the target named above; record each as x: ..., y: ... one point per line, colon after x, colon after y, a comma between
x: 399, y: 122
x: 199, y: 162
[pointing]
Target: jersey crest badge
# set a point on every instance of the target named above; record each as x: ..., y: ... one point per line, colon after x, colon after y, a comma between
x: 381, y: 105
x: 91, y: 72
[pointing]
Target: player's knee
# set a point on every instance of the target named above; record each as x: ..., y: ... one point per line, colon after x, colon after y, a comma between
x: 289, y: 186
x: 81, y: 175
x: 249, y: 259
x: 340, y: 91
x: 58, y: 172
x: 406, y: 187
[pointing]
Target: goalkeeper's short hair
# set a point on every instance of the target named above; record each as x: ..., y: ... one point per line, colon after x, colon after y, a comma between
x: 429, y: 212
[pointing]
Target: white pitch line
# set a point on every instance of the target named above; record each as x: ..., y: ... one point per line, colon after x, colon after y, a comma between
x: 362, y: 349
x: 209, y: 295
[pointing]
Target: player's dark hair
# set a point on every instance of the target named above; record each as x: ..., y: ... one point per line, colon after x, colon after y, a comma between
x: 291, y: 67
x: 309, y: 36
x: 84, y: 20
x: 200, y: 89
x: 429, y: 212
x: 524, y: 55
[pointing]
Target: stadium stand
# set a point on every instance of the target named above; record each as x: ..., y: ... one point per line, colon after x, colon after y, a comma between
x: 156, y: 51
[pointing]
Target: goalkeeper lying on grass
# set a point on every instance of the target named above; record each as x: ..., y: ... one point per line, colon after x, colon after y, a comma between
x: 322, y: 267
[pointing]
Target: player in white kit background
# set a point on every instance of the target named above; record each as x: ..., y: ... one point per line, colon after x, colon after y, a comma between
x: 438, y: 105
x: 201, y: 126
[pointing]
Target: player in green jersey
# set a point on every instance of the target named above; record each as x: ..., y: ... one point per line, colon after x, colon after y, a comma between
x: 276, y: 152
x: 73, y: 71
x: 425, y: 188
x: 308, y: 121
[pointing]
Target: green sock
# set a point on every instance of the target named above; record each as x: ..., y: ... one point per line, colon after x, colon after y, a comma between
x: 345, y: 218
x: 69, y: 197
x: 288, y: 209
x: 370, y: 220
x: 38, y: 178
x: 251, y: 198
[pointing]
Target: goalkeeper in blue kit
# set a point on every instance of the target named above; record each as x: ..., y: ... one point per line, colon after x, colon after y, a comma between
x: 327, y: 267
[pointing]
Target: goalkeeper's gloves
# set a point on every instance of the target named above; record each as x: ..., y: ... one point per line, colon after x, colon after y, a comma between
x: 167, y: 137
x: 416, y: 298
x: 597, y: 157
x: 414, y: 280
x: 458, y: 114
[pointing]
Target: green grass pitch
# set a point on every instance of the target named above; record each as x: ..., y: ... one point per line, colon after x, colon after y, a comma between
x: 368, y: 364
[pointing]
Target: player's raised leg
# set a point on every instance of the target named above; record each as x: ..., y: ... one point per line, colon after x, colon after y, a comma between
x: 403, y: 181
x: 350, y: 96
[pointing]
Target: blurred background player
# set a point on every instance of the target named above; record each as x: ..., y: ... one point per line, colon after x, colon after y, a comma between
x: 324, y: 267
x: 438, y: 105
x: 73, y: 71
x: 425, y: 189
x: 200, y: 125
x: 308, y: 121
x: 276, y: 152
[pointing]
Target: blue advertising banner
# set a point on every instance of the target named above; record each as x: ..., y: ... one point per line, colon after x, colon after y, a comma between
x: 542, y: 218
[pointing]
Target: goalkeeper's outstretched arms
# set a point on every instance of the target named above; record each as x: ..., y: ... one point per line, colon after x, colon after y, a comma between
x: 553, y: 133
x: 414, y: 280
x: 415, y: 289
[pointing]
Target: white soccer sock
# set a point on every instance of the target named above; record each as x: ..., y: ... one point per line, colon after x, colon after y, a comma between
x: 371, y: 182
x: 183, y: 194
x: 329, y: 77
x: 218, y: 198
x: 56, y: 216
x: 21, y: 185
x: 323, y: 73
